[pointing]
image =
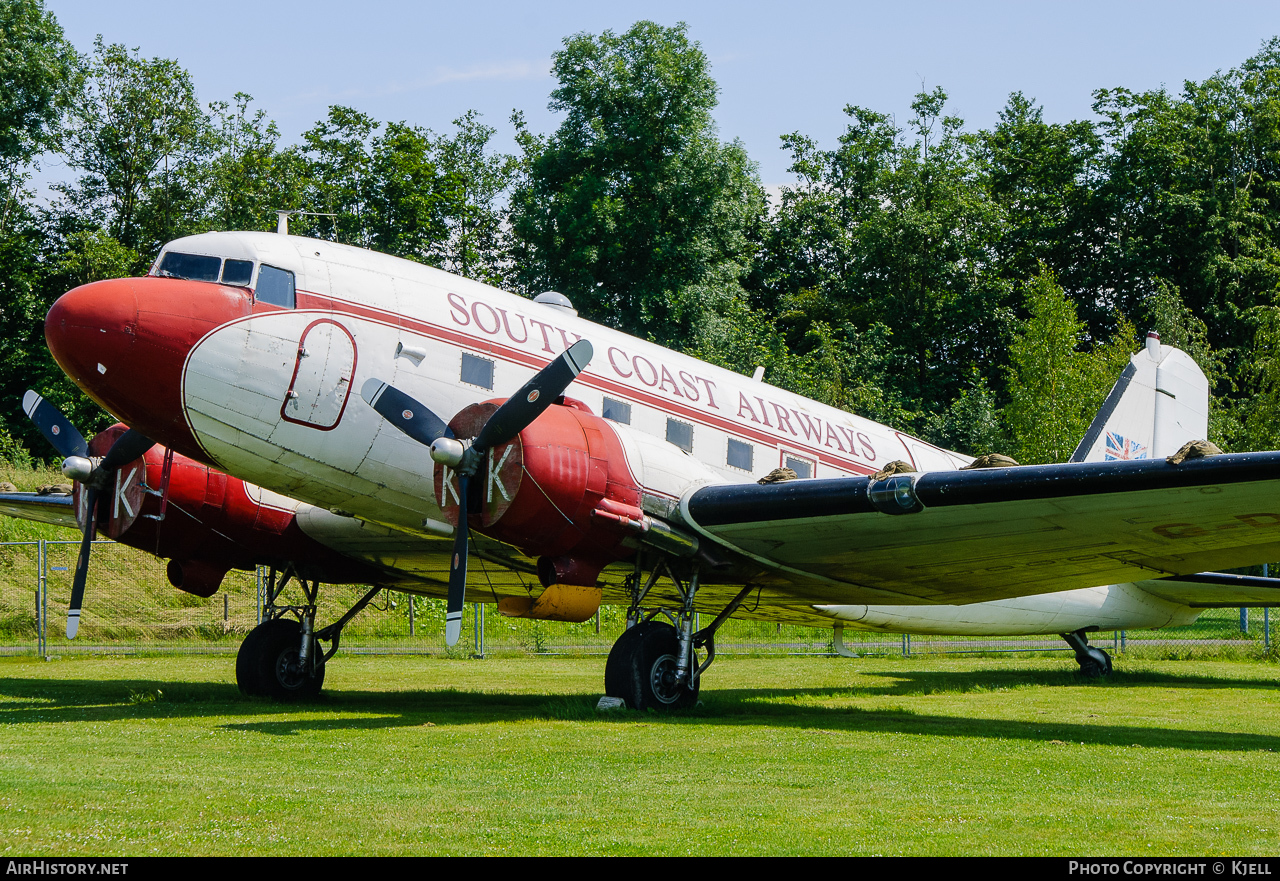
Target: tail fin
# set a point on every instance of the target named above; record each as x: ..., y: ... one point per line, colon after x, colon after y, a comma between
x: 1160, y: 402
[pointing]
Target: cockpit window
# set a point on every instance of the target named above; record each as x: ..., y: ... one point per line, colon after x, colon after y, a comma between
x: 237, y: 272
x: 196, y: 267
x: 275, y: 286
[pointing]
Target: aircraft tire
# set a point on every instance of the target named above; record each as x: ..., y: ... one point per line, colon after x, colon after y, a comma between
x: 1093, y: 669
x: 641, y: 669
x: 278, y: 662
x: 248, y: 661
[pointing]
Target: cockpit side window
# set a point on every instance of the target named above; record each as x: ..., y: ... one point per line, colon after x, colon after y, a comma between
x: 237, y: 272
x: 275, y: 286
x: 195, y: 267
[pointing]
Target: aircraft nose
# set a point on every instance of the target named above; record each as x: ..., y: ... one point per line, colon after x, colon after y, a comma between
x: 91, y: 331
x: 125, y: 341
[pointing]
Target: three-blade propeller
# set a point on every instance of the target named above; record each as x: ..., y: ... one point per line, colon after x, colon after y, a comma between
x: 95, y: 477
x: 516, y: 413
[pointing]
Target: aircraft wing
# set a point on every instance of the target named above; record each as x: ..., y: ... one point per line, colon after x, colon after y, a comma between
x: 57, y: 509
x: 956, y: 537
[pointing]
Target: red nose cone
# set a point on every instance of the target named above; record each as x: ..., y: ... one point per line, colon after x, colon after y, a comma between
x: 91, y: 331
x: 125, y: 341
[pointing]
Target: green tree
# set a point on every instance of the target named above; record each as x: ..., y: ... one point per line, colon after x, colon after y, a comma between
x: 1043, y: 177
x: 894, y: 230
x: 38, y: 70
x: 634, y: 208
x: 138, y: 137
x: 477, y: 244
x: 1055, y: 388
x: 244, y: 178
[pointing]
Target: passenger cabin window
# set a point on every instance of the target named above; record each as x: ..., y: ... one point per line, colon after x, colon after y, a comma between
x: 616, y: 411
x: 802, y: 468
x: 195, y: 267
x: 477, y: 371
x: 237, y: 272
x: 680, y: 434
x: 275, y: 286
x: 740, y: 454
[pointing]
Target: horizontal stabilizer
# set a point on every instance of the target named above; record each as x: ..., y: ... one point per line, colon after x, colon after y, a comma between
x: 1215, y: 590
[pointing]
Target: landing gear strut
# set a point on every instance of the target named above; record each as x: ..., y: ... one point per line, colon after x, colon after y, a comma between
x: 282, y: 658
x: 1094, y: 662
x: 654, y: 664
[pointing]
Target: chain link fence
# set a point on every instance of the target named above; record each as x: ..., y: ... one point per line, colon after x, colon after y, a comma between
x: 130, y: 607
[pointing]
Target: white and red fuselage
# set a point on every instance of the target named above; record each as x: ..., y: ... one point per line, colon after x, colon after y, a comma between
x: 271, y: 393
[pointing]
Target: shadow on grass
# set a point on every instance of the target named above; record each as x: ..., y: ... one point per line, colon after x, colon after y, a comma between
x: 35, y: 701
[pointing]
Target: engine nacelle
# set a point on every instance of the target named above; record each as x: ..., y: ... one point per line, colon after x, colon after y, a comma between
x: 542, y: 490
x: 212, y: 522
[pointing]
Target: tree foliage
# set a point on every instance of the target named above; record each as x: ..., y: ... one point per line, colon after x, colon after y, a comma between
x: 1055, y: 386
x: 634, y: 208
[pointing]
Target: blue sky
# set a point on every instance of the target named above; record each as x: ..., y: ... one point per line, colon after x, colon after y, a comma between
x: 781, y: 67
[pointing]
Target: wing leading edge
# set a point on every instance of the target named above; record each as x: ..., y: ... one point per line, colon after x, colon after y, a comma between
x: 950, y: 537
x: 57, y: 509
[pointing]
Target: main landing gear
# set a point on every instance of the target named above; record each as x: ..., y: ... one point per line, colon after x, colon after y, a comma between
x: 654, y: 664
x: 1094, y: 662
x: 282, y: 658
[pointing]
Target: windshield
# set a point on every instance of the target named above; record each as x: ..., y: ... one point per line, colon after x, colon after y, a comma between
x: 198, y: 267
x: 193, y: 266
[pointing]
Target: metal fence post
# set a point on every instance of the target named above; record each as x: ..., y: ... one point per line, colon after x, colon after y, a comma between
x: 409, y: 596
x: 42, y: 603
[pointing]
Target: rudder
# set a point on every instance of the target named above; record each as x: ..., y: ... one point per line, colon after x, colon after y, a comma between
x: 1160, y: 402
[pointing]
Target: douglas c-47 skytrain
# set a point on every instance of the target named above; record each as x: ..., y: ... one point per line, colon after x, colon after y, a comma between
x: 345, y: 416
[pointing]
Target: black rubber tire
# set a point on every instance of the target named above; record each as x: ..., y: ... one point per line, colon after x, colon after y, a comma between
x: 277, y: 662
x: 248, y: 663
x: 619, y: 668
x: 1091, y: 669
x: 641, y: 667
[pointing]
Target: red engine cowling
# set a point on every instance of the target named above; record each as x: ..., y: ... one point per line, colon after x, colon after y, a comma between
x: 544, y: 491
x: 212, y: 523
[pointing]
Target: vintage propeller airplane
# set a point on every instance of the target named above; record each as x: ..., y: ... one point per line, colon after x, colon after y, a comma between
x: 345, y: 416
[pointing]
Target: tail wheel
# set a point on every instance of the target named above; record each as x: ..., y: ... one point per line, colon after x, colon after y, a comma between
x: 642, y: 669
x: 280, y: 671
x: 1095, y: 668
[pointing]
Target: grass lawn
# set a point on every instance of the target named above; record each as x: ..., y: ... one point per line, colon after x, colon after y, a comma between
x: 414, y: 755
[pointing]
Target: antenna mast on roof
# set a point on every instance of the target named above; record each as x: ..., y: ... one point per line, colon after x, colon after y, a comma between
x: 282, y: 219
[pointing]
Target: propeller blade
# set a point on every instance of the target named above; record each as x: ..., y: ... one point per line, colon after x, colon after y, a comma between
x: 536, y: 395
x: 419, y: 423
x: 55, y: 427
x: 458, y: 569
x: 128, y: 446
x: 410, y: 416
x: 82, y: 561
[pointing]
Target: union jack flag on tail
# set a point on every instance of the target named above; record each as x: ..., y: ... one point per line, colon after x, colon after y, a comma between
x: 1120, y: 447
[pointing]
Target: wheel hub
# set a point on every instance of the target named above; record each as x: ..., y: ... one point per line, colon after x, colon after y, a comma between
x: 289, y: 670
x: 663, y: 680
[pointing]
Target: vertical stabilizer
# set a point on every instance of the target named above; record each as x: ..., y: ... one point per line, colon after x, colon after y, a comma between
x: 1160, y: 402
